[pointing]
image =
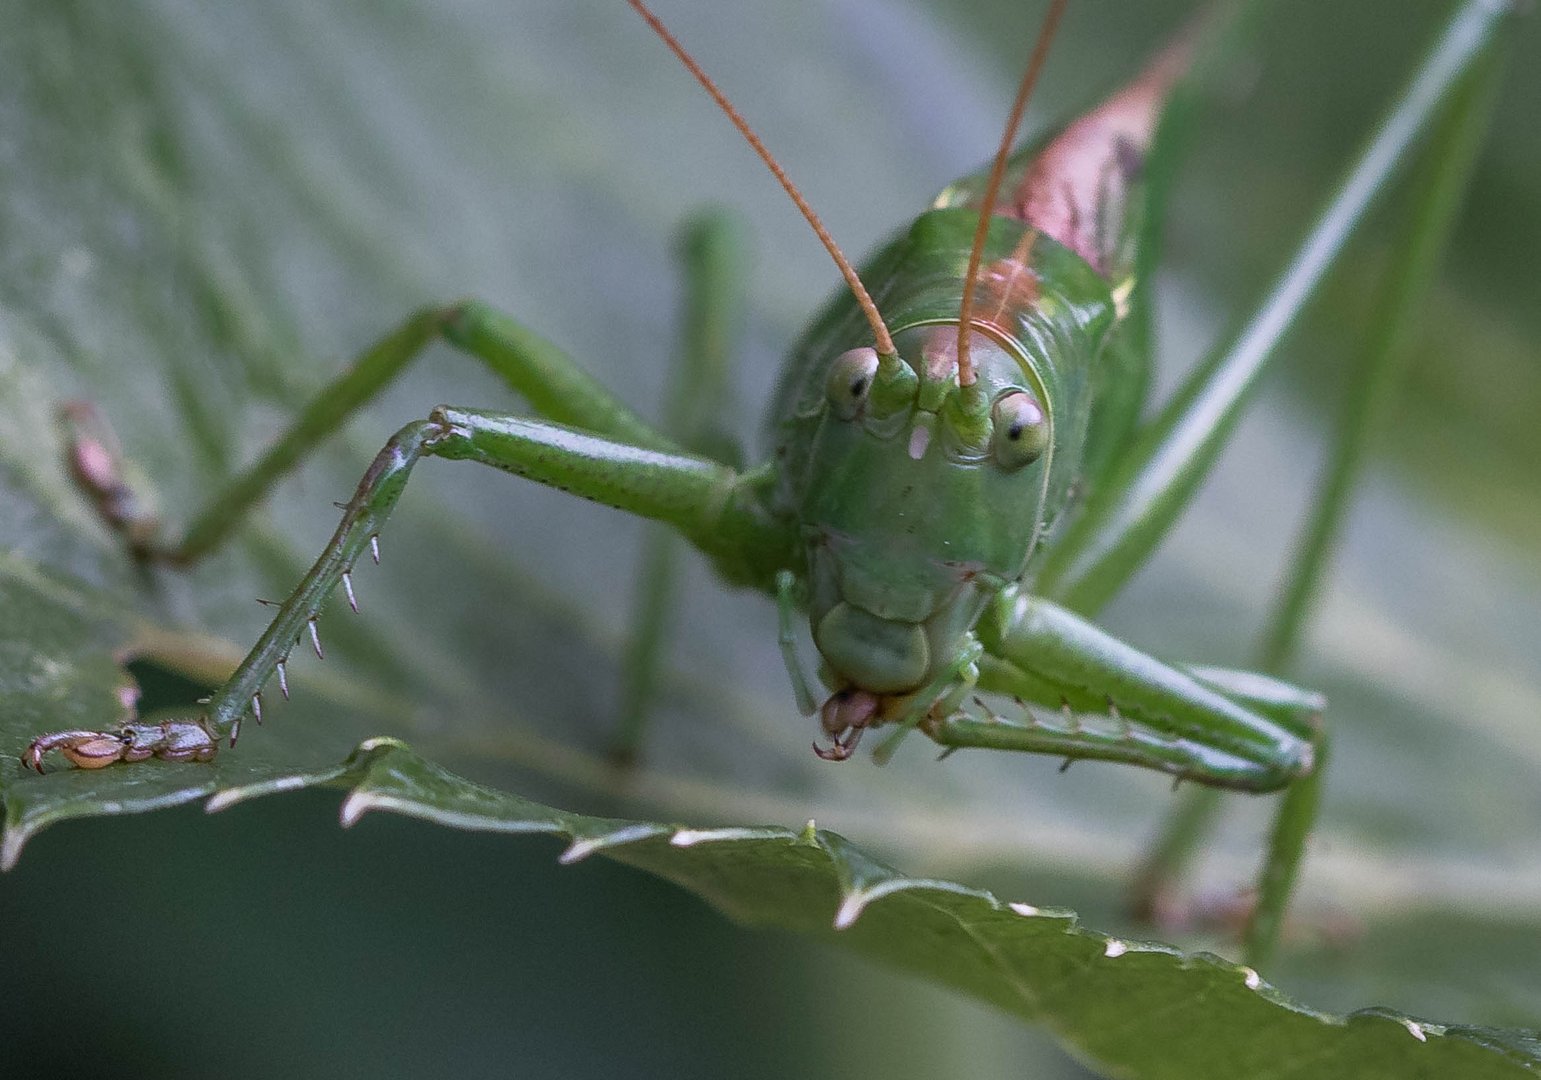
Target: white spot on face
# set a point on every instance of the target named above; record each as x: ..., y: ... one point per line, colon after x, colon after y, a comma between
x: 1115, y: 948
x: 920, y: 438
x: 1025, y: 910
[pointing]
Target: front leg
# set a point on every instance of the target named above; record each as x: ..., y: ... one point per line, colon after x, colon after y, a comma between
x: 1220, y: 728
x: 710, y: 504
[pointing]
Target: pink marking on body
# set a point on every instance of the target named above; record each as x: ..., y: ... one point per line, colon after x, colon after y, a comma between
x: 1008, y: 287
x: 1071, y: 187
x: 939, y: 353
x: 1003, y: 290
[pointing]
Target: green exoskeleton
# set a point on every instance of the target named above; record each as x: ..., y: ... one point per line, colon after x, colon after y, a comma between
x: 960, y: 471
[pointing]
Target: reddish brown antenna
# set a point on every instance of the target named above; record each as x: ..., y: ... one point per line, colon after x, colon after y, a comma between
x: 993, y: 188
x: 884, y: 342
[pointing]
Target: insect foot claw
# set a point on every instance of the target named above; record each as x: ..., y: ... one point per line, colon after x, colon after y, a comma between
x: 87, y: 749
x: 170, y: 740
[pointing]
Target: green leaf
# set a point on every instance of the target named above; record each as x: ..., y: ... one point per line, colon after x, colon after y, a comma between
x: 1134, y: 1006
x: 205, y: 214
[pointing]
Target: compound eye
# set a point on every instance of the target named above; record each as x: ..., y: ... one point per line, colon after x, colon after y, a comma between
x: 1021, y: 434
x: 850, y: 380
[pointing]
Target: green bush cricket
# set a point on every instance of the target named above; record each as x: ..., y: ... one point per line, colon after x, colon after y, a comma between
x: 945, y: 506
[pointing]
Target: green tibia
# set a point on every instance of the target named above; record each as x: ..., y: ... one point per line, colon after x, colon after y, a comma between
x: 1227, y: 729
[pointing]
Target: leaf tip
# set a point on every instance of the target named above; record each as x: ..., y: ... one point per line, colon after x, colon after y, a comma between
x: 355, y: 806
x: 850, y: 909
x: 10, y: 847
x: 222, y: 800
x: 579, y: 850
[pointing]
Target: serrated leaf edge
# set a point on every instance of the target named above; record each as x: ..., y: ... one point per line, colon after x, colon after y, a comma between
x: 381, y: 773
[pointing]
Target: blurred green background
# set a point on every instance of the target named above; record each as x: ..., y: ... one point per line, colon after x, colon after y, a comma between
x: 204, y: 212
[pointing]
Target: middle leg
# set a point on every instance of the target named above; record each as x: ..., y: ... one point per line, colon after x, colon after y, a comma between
x: 554, y: 384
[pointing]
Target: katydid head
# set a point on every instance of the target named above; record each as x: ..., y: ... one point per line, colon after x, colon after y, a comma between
x: 926, y: 483
x: 917, y: 505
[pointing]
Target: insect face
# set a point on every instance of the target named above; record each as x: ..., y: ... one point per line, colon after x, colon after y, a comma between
x: 916, y: 509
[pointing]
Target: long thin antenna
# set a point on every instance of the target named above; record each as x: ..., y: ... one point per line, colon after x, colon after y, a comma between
x: 884, y: 342
x: 993, y: 188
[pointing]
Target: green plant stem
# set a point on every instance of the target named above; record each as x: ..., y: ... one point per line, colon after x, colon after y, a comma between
x: 1439, y: 187
x: 1439, y: 184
